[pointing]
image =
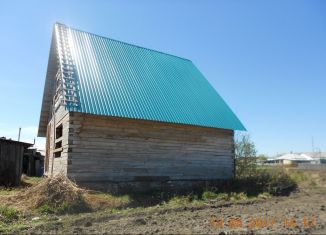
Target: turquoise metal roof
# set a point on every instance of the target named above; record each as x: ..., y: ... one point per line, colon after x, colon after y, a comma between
x: 124, y: 80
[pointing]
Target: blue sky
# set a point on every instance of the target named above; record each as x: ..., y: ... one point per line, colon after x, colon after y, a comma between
x: 267, y: 59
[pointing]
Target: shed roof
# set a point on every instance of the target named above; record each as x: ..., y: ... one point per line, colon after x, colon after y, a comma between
x: 114, y: 78
x: 10, y: 141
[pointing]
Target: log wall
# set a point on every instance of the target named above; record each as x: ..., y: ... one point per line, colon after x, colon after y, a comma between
x: 59, y: 163
x: 108, y: 149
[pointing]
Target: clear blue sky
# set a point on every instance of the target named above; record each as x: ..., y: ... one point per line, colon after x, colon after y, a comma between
x: 267, y: 59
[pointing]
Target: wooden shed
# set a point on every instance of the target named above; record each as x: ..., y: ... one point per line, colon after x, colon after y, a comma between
x: 116, y: 112
x: 11, y: 161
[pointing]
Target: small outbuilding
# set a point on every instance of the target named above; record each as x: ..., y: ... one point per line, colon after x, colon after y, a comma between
x: 116, y: 112
x: 33, y: 162
x: 11, y: 161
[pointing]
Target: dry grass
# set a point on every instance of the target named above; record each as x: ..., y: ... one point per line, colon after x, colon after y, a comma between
x: 59, y: 195
x: 308, y: 178
x: 54, y: 193
x: 28, y: 181
x: 102, y: 201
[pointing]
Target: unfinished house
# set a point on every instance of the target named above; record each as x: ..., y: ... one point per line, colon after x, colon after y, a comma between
x: 116, y: 112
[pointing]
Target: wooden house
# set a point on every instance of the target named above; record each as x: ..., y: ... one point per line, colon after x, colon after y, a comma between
x: 116, y: 112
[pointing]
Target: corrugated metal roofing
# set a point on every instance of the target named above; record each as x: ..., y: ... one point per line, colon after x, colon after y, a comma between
x: 124, y: 80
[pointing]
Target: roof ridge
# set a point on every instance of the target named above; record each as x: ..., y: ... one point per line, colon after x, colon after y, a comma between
x: 130, y: 44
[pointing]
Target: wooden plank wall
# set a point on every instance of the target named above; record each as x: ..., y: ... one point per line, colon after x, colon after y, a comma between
x: 11, y: 160
x: 119, y: 149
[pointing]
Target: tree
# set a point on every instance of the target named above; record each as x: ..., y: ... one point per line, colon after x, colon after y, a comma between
x: 262, y: 157
x: 245, y: 156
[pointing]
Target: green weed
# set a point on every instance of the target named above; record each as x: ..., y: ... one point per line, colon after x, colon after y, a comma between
x: 8, y: 214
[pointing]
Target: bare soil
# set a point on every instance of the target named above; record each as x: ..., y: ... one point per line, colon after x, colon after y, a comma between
x: 303, y: 212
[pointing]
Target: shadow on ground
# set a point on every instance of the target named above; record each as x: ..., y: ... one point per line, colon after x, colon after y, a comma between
x: 252, y: 186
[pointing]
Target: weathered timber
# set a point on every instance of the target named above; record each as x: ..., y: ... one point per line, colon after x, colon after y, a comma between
x: 11, y: 161
x: 111, y: 149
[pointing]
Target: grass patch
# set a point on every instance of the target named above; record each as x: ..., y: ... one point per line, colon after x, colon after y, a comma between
x: 101, y: 201
x: 298, y: 176
x: 308, y: 179
x: 46, y: 209
x: 264, y: 195
x: 205, y: 197
x: 209, y: 195
x: 7, y: 191
x: 13, y: 228
x: 238, y: 196
x: 231, y: 196
x: 261, y: 184
x: 30, y: 181
x: 8, y: 214
x: 179, y: 201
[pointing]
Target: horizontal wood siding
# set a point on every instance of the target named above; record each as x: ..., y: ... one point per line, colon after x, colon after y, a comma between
x: 119, y: 149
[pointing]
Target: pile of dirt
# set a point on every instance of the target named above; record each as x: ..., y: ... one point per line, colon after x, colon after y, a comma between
x: 55, y: 194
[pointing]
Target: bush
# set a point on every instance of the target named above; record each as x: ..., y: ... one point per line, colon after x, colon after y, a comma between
x: 272, y: 181
x: 279, y: 182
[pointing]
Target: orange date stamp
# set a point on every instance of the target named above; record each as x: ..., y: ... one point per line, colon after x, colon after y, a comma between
x: 262, y: 222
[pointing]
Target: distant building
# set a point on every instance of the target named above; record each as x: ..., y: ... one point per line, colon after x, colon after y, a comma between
x: 124, y: 113
x: 318, y: 156
x: 292, y: 158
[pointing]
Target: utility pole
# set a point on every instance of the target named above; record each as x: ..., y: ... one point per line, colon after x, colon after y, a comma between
x: 19, y: 133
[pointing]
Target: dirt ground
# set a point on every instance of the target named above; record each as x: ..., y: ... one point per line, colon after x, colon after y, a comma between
x: 303, y: 212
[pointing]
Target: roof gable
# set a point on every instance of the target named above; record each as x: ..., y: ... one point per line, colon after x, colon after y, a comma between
x: 118, y: 79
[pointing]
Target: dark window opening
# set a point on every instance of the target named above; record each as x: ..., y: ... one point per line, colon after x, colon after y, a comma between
x: 58, y: 132
x: 58, y: 144
x: 57, y: 154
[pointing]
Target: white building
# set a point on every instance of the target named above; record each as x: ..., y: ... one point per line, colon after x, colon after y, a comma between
x: 292, y: 158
